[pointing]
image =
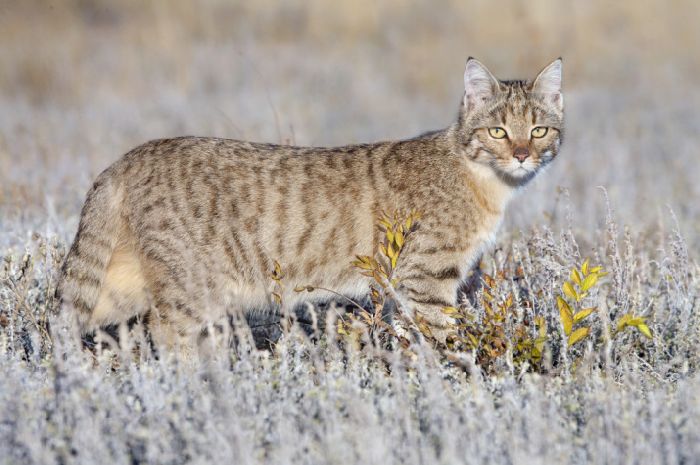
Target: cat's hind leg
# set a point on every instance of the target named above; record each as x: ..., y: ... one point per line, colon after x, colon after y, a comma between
x: 175, y: 321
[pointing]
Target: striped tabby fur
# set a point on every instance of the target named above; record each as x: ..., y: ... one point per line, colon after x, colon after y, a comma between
x: 191, y: 227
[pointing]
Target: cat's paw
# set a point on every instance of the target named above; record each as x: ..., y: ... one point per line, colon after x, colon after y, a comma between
x: 436, y: 325
x: 403, y: 335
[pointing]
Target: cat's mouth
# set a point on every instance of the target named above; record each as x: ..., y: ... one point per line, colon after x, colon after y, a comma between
x: 517, y: 174
x: 522, y: 170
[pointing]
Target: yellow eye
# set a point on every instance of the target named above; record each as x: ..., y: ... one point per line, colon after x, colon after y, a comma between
x: 539, y: 132
x: 497, y: 133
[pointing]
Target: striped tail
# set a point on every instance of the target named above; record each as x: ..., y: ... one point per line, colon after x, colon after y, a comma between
x: 84, y: 269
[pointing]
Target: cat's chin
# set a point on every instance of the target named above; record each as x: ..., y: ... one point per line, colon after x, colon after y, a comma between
x: 517, y: 176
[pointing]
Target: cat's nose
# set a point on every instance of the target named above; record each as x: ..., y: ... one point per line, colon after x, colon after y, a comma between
x: 521, y: 153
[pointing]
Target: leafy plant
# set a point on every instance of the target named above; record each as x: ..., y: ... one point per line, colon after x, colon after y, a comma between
x: 501, y: 328
x: 572, y: 311
x: 629, y: 320
x: 396, y: 229
x: 574, y: 314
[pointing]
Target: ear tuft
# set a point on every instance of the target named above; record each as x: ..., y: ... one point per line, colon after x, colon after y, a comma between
x: 548, y: 82
x: 479, y: 84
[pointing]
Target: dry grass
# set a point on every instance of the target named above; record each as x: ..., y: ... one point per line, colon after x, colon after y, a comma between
x: 83, y: 81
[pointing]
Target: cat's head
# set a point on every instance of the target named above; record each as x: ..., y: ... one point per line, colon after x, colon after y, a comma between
x: 513, y: 127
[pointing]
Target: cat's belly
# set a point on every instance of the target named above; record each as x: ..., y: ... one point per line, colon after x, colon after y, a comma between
x: 288, y: 291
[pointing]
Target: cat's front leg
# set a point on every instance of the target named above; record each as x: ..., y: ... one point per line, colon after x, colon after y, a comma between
x: 427, y: 290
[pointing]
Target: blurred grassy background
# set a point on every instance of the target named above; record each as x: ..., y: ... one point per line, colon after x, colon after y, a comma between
x: 82, y: 81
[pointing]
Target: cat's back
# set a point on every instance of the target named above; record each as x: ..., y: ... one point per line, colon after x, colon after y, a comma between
x: 180, y: 158
x: 185, y: 168
x: 201, y: 152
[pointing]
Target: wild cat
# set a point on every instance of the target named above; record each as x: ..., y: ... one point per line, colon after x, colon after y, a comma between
x: 190, y: 228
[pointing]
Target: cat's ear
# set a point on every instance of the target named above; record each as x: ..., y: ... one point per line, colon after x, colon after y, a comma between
x: 548, y: 83
x: 479, y: 84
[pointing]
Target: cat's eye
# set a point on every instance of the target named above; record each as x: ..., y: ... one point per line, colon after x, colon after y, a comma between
x: 497, y: 133
x: 539, y: 132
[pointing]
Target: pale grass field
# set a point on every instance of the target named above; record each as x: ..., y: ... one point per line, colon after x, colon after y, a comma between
x: 81, y: 82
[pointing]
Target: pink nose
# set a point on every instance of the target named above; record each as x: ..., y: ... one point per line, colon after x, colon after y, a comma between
x: 521, y: 153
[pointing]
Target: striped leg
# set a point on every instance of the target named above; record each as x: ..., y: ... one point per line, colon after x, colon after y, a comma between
x: 428, y: 289
x: 175, y: 323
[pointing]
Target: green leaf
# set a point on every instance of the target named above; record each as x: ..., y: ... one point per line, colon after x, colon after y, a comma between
x: 644, y: 329
x: 561, y: 303
x: 390, y: 251
x: 623, y: 321
x: 399, y: 238
x: 362, y: 262
x: 450, y: 311
x: 584, y: 267
x: 583, y: 314
x: 277, y: 272
x: 589, y: 282
x: 383, y: 250
x: 578, y: 335
x: 575, y: 276
x: 567, y: 319
x: 569, y: 291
